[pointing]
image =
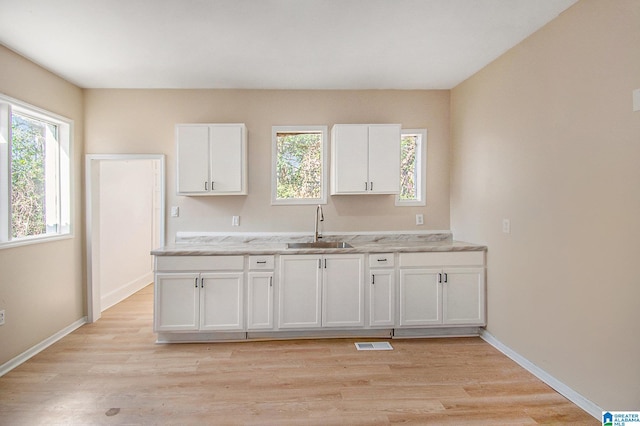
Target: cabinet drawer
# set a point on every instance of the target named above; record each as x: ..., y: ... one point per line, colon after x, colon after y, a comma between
x: 458, y: 258
x: 261, y: 262
x: 199, y: 263
x: 379, y: 260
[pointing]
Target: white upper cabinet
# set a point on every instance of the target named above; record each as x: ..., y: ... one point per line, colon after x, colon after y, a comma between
x: 365, y: 159
x: 212, y: 159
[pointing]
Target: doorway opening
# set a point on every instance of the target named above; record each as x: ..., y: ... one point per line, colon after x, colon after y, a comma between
x: 124, y: 222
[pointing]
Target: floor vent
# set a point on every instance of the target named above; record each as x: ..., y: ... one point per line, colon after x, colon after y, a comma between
x: 374, y: 346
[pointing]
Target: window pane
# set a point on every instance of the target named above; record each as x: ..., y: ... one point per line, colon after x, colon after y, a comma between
x: 409, y: 176
x: 299, y: 165
x: 31, y: 138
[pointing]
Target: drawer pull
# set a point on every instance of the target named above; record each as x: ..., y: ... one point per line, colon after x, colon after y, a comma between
x: 382, y: 260
x: 261, y: 262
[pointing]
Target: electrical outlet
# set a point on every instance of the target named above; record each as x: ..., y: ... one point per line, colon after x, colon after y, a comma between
x: 419, y: 219
x: 506, y: 226
x: 2, y: 317
x: 235, y: 221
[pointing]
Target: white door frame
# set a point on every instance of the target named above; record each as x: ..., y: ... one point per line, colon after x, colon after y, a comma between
x: 93, y: 286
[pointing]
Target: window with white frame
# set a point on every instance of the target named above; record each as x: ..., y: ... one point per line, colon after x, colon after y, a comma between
x: 299, y: 174
x: 35, y: 183
x: 413, y: 168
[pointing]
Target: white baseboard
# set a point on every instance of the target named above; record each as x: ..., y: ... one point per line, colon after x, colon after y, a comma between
x: 556, y: 384
x: 118, y: 295
x: 34, y: 350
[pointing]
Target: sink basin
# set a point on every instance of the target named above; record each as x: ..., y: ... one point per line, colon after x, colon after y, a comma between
x: 319, y: 244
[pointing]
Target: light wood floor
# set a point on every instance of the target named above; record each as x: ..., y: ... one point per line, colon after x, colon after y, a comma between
x: 112, y: 373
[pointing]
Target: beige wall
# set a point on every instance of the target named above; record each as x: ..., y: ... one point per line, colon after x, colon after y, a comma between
x: 142, y: 121
x: 546, y: 137
x: 42, y: 285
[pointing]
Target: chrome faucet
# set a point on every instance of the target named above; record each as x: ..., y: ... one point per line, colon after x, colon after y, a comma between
x: 319, y: 218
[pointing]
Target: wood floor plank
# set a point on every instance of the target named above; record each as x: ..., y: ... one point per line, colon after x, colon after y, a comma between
x: 113, y: 373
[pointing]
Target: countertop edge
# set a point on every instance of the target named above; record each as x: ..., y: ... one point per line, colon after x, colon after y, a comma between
x: 280, y: 249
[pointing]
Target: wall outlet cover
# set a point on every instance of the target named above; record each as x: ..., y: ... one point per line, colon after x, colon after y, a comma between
x: 419, y: 219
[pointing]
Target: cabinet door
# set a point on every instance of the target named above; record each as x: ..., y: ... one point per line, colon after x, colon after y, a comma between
x: 343, y: 291
x: 463, y: 296
x: 384, y: 159
x: 299, y: 291
x: 420, y: 297
x: 260, y: 301
x: 193, y: 159
x: 381, y: 297
x: 176, y: 302
x: 221, y: 301
x: 227, y: 153
x: 350, y: 158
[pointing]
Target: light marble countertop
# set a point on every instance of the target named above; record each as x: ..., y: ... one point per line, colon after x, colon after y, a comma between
x: 195, y: 244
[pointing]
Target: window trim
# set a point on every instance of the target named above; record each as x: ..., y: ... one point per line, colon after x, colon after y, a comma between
x: 422, y: 170
x: 65, y: 141
x: 274, y: 165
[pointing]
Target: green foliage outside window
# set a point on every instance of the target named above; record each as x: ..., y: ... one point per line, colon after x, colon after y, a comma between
x: 408, y: 168
x: 28, y: 153
x: 299, y: 165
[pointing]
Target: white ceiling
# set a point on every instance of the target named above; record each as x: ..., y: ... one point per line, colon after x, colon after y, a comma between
x: 269, y: 44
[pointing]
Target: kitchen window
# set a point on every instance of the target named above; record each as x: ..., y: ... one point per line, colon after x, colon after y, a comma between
x: 299, y: 174
x: 413, y: 165
x: 35, y: 183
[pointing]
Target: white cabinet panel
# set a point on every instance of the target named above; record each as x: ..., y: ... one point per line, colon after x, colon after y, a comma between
x: 321, y: 291
x: 342, y: 291
x: 365, y: 159
x: 381, y: 298
x: 193, y: 158
x: 420, y: 297
x: 212, y: 159
x: 300, y: 291
x: 221, y: 301
x: 176, y: 305
x: 227, y: 164
x: 463, y: 296
x: 260, y: 301
x: 350, y: 165
x: 384, y: 159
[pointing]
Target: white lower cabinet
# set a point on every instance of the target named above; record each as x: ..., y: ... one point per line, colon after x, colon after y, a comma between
x: 434, y: 296
x: 221, y: 301
x: 381, y: 290
x: 321, y: 291
x: 177, y: 302
x: 199, y: 301
x: 271, y: 293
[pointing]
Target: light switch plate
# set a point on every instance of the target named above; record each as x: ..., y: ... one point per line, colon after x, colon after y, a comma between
x: 636, y: 100
x: 175, y: 211
x: 235, y: 221
x: 506, y: 226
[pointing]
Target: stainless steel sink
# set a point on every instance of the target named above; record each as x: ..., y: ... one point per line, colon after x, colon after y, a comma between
x: 319, y: 244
